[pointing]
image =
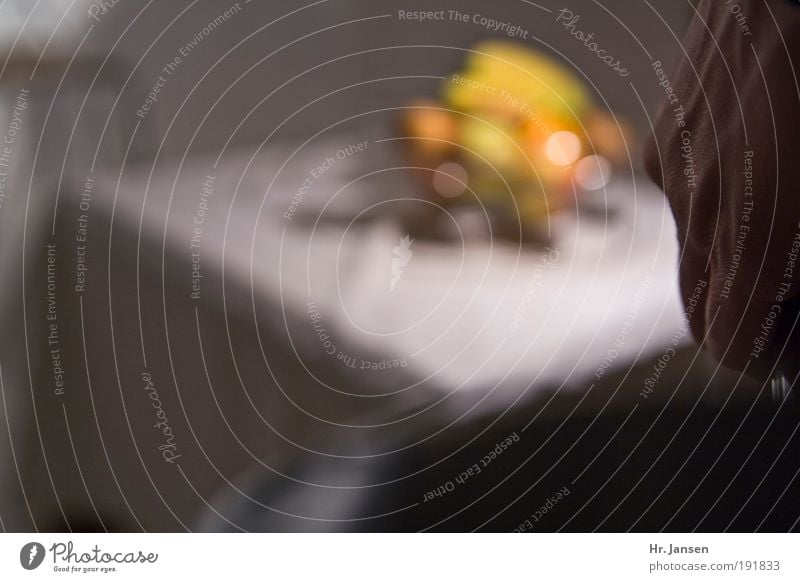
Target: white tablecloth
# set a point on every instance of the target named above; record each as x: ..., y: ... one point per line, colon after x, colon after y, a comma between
x: 465, y: 316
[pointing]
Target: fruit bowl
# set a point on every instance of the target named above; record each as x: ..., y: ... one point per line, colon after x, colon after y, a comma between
x: 512, y: 139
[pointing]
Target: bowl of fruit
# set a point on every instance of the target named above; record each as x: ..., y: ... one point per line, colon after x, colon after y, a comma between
x: 511, y: 140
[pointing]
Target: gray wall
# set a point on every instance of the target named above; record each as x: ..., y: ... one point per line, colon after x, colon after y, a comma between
x: 296, y: 56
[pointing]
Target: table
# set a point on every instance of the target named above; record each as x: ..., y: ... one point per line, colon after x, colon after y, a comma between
x: 466, y: 317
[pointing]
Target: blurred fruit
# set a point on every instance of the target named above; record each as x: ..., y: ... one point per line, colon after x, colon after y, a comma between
x: 493, y: 144
x: 609, y: 137
x: 535, y: 206
x: 508, y: 77
x: 513, y: 130
x: 434, y: 130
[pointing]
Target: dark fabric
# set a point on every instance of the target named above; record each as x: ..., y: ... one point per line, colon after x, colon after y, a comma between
x: 738, y: 88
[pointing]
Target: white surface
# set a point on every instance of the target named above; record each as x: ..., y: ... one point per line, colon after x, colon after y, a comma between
x: 452, y: 312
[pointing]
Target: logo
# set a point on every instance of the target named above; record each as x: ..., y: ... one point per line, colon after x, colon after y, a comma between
x: 31, y: 555
x: 400, y: 261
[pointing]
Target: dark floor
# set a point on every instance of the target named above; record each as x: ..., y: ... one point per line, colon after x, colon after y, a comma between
x: 682, y: 464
